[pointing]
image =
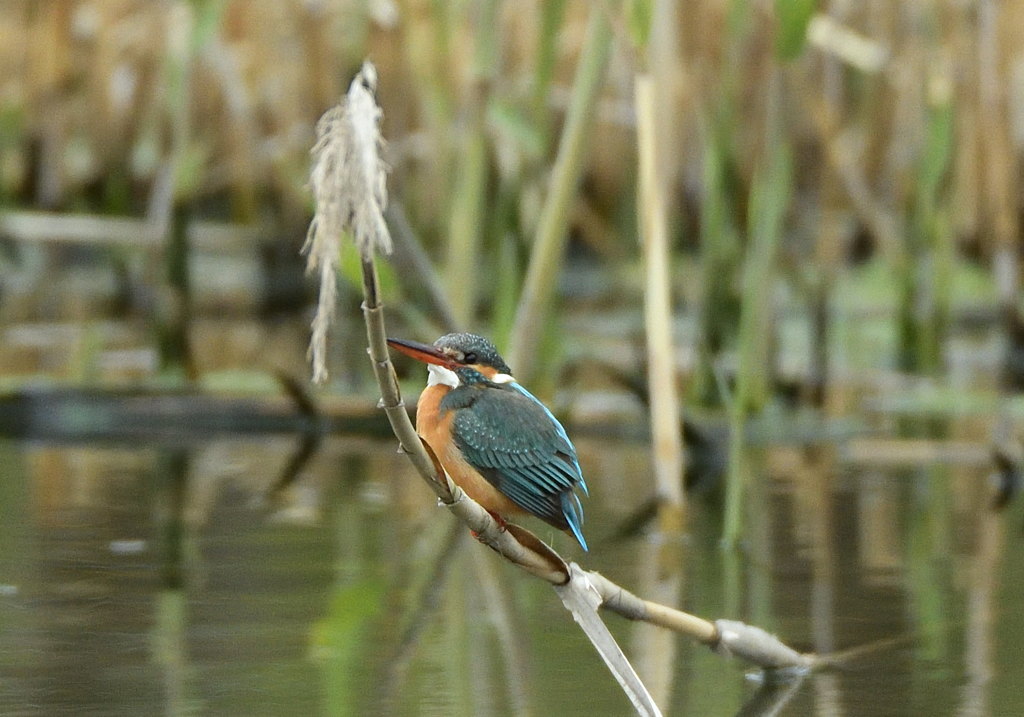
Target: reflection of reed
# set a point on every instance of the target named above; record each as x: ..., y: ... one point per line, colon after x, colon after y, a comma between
x: 757, y: 595
x: 425, y: 607
x: 466, y: 608
x: 771, y: 697
x: 171, y: 625
x: 820, y: 485
x: 979, y: 638
x: 660, y: 565
x: 878, y: 537
x: 927, y: 576
x: 501, y: 616
x: 170, y: 651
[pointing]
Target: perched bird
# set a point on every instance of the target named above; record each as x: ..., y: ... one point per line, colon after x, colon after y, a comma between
x: 498, y: 442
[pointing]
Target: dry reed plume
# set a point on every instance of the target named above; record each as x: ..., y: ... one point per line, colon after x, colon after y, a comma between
x: 348, y: 180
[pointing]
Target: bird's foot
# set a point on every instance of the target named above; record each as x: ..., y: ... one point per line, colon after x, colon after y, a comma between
x: 502, y: 525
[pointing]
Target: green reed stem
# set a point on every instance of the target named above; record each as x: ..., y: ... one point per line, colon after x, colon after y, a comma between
x: 769, y: 200
x: 467, y: 220
x: 549, y: 243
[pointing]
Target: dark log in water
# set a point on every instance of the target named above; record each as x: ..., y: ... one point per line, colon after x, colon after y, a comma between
x: 93, y: 414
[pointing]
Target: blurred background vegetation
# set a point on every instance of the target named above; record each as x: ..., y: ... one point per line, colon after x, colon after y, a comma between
x: 844, y: 174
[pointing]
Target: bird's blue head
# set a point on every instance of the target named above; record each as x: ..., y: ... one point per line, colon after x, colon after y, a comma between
x: 458, y: 359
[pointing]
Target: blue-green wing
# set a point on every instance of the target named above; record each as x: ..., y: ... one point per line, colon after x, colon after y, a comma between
x: 521, y: 449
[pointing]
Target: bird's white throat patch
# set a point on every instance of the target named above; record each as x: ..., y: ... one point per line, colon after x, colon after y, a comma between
x: 502, y: 378
x: 441, y: 376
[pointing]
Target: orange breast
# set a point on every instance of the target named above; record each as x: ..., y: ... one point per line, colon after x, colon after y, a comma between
x: 435, y: 428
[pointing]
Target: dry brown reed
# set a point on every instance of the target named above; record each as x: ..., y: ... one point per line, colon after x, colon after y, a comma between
x: 84, y: 95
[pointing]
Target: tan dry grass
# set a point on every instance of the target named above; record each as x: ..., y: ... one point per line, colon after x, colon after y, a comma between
x: 87, y: 85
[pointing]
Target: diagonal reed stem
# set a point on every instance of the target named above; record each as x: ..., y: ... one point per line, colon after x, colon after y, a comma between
x: 549, y: 244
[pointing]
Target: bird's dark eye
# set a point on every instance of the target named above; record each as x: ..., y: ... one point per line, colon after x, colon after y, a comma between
x: 469, y: 357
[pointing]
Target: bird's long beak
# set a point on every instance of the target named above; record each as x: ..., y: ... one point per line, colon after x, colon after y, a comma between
x: 423, y: 352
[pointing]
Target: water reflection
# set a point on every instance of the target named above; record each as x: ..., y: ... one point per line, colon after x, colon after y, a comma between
x: 192, y: 580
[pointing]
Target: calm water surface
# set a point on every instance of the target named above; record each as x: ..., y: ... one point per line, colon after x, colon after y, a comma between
x: 152, y: 579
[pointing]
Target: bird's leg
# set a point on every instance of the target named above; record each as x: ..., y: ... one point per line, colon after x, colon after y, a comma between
x: 502, y: 525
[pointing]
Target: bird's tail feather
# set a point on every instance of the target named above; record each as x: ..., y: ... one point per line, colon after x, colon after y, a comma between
x: 573, y: 512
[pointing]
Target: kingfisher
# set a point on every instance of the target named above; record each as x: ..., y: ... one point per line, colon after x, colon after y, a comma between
x: 496, y: 440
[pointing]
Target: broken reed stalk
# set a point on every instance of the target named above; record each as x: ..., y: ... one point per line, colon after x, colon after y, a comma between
x: 666, y: 421
x: 349, y: 138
